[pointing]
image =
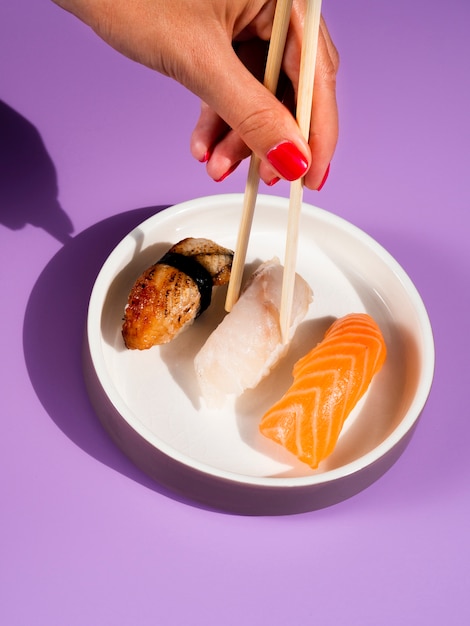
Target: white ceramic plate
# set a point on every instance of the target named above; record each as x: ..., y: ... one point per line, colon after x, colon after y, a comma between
x: 149, y: 400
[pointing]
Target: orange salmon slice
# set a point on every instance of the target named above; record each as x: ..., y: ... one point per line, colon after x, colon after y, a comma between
x: 328, y: 383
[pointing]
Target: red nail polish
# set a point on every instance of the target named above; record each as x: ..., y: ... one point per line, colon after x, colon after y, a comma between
x: 228, y: 172
x: 287, y: 159
x: 206, y: 157
x: 273, y: 181
x: 324, y: 178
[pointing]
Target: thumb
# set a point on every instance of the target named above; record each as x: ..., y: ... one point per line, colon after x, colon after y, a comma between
x: 257, y: 117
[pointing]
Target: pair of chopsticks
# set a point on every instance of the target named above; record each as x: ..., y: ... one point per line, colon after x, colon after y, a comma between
x: 303, y: 114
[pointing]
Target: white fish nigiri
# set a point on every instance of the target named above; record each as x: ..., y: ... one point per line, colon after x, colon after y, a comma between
x: 247, y: 344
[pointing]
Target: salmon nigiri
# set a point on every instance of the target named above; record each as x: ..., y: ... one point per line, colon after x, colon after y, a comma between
x: 328, y: 383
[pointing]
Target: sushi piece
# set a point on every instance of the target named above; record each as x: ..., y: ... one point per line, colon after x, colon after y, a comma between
x: 247, y: 343
x: 328, y: 383
x: 170, y: 294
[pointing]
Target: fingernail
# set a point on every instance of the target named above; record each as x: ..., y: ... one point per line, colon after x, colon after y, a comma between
x: 228, y: 172
x: 206, y: 157
x: 273, y: 181
x: 287, y: 159
x: 324, y: 178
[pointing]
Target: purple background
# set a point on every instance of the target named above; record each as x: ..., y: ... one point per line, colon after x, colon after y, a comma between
x: 90, y: 144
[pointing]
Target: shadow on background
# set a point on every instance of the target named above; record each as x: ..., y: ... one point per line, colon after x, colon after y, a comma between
x: 28, y: 179
x: 53, y: 334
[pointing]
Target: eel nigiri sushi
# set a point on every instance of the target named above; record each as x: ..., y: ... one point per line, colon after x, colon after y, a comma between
x: 328, y: 383
x: 169, y: 295
x: 247, y: 344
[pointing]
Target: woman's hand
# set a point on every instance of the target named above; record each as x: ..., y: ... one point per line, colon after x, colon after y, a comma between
x: 192, y: 41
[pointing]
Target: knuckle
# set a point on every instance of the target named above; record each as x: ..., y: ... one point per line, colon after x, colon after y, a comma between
x: 260, y: 120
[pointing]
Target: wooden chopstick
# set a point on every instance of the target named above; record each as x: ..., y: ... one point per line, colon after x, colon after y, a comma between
x: 304, y: 111
x: 271, y: 77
